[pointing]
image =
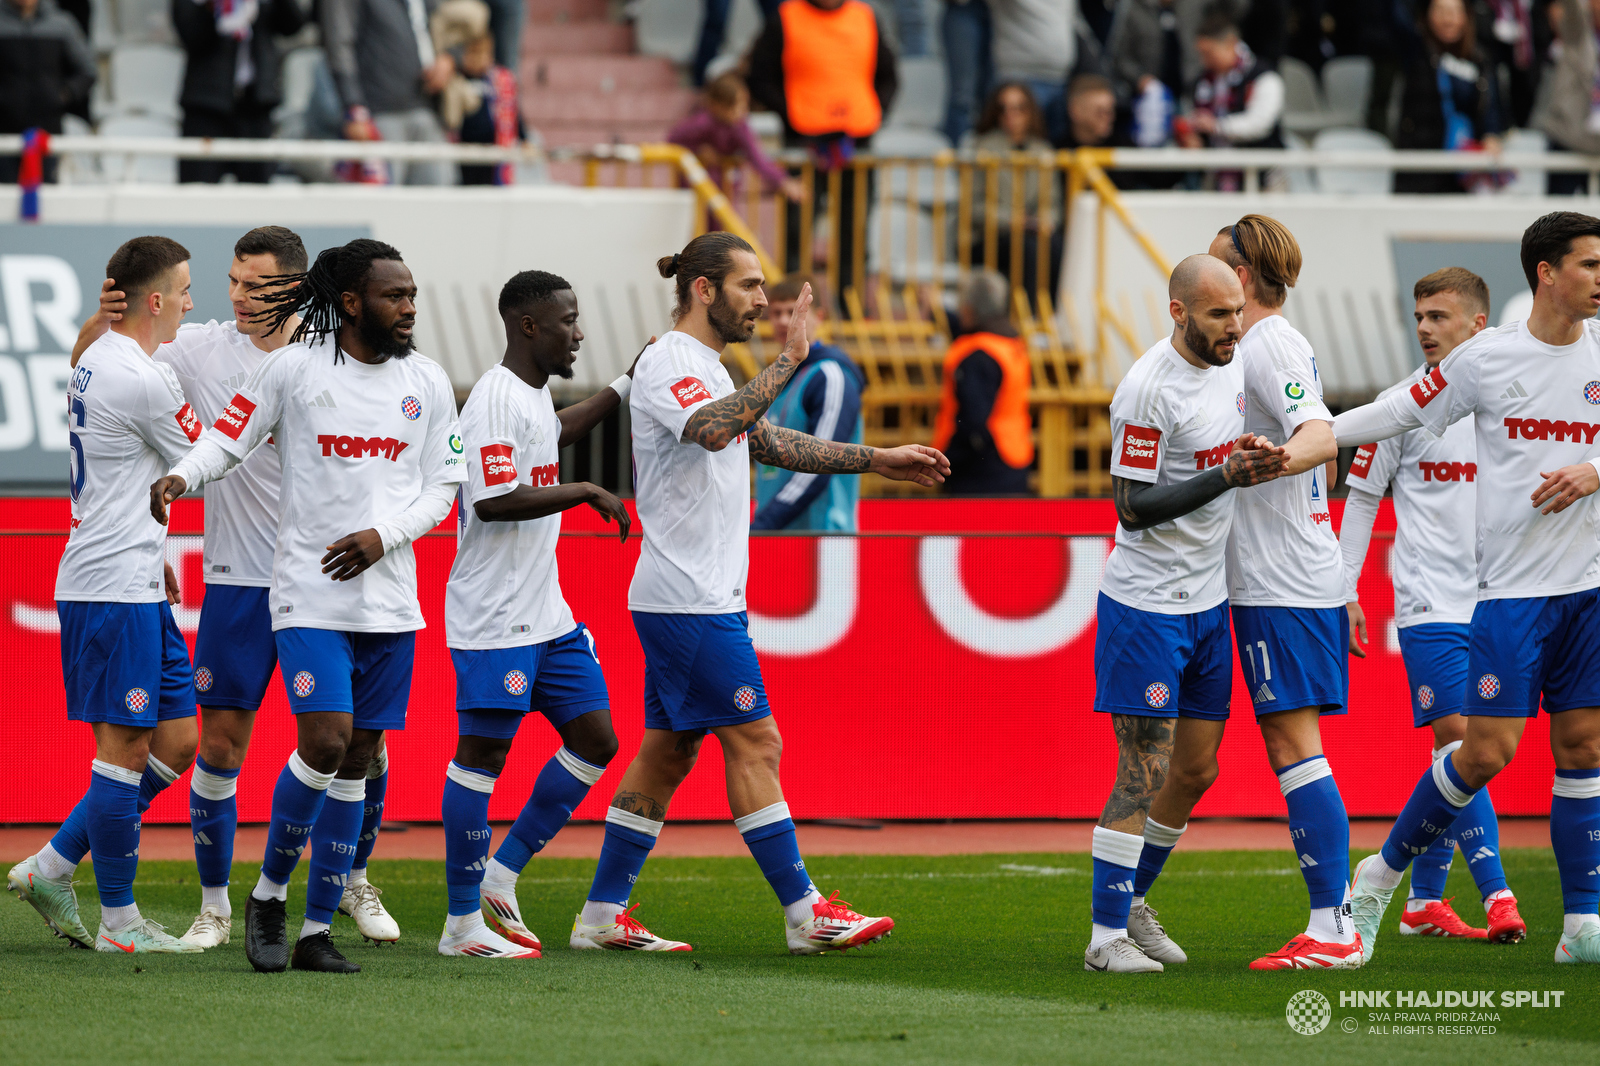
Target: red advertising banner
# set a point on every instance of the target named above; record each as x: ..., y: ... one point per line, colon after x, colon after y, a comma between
x: 938, y: 666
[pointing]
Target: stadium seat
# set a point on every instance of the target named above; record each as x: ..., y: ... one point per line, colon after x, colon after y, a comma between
x: 1376, y: 179
x: 1303, y: 108
x: 145, y: 79
x: 1298, y: 179
x: 147, y: 21
x: 145, y: 169
x: 1347, y: 86
x: 920, y: 101
x: 1528, y: 181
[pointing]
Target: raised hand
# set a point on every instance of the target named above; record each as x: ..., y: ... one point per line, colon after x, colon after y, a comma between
x: 911, y: 462
x: 348, y: 556
x: 113, y: 301
x: 799, y: 345
x: 162, y: 493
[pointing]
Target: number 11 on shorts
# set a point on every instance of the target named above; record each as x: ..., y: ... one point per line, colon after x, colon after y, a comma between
x: 1266, y: 662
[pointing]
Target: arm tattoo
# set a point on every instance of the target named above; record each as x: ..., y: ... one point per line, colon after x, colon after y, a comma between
x: 720, y: 421
x: 1141, y: 505
x: 793, y: 450
x: 1144, y: 752
x: 642, y: 805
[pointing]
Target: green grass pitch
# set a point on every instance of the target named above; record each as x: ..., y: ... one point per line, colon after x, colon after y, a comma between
x: 984, y: 966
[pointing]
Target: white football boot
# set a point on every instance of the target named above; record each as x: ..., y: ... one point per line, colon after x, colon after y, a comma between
x: 143, y: 937
x: 1368, y: 901
x: 482, y: 942
x: 56, y: 901
x: 833, y: 926
x: 500, y: 910
x: 360, y: 901
x: 211, y: 929
x: 1582, y: 946
x: 1121, y: 955
x: 1151, y: 936
x: 625, y: 934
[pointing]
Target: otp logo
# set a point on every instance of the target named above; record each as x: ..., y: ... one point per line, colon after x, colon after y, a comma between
x: 690, y: 391
x: 1448, y: 471
x: 1430, y: 386
x: 1215, y: 457
x: 1544, y: 429
x: 1139, y: 447
x: 1361, y: 465
x: 497, y: 465
x: 235, y: 416
x: 356, y: 447
x: 189, y: 422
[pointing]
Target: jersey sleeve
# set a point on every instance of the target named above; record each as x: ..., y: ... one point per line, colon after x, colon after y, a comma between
x: 1374, y: 466
x: 444, y: 453
x: 671, y: 390
x: 255, y: 410
x: 1284, y: 383
x: 1449, y: 392
x: 1139, y: 433
x: 489, y: 432
x: 168, y: 424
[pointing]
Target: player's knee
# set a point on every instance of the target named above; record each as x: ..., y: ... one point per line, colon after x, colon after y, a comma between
x: 324, y: 750
x: 222, y: 752
x: 1577, y: 753
x: 591, y: 738
x: 1478, y: 763
x: 1193, y: 778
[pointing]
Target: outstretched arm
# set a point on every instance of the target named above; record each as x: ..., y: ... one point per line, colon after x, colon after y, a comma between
x: 793, y: 450
x: 1141, y: 504
x: 579, y: 420
x: 715, y: 425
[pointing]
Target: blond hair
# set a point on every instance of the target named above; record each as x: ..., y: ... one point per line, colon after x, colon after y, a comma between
x: 1266, y: 246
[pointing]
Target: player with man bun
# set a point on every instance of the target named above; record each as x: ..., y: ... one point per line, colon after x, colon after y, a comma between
x: 1435, y: 591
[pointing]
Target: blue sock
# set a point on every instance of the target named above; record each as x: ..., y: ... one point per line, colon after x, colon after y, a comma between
x: 113, y: 818
x: 372, y: 809
x: 1159, y: 840
x: 1434, y: 806
x: 333, y: 847
x: 71, y: 841
x: 1477, y: 830
x: 297, y: 800
x: 1430, y: 869
x: 629, y: 838
x: 214, y: 819
x: 1319, y: 829
x: 466, y: 833
x: 769, y: 834
x: 561, y: 786
x: 1115, y: 857
x: 1575, y: 836
x: 156, y: 777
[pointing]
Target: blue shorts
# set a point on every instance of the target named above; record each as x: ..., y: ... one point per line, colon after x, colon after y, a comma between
x: 560, y: 679
x: 1294, y: 657
x: 124, y: 663
x: 1524, y: 647
x: 234, y: 652
x: 1161, y: 665
x: 367, y: 675
x: 1435, y: 655
x: 700, y: 671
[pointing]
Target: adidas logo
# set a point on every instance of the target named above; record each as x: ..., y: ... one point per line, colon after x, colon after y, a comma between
x: 481, y: 864
x: 1264, y: 694
x: 233, y: 383
x: 1307, y: 861
x: 201, y: 838
x: 1121, y: 886
x: 1484, y: 852
x: 325, y: 400
x: 293, y: 853
x: 1515, y: 392
x: 1594, y: 872
x: 336, y: 879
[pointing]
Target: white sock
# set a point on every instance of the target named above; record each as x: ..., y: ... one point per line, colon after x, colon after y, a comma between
x: 1331, y: 925
x: 266, y: 889
x: 1413, y: 905
x: 799, y: 912
x: 1101, y: 935
x: 597, y: 913
x: 313, y: 928
x: 457, y: 924
x: 1138, y: 901
x: 117, y: 919
x: 52, y: 865
x: 217, y: 898
x: 1504, y: 893
x: 1383, y: 875
x: 1572, y: 924
x: 499, y: 874
x: 357, y: 875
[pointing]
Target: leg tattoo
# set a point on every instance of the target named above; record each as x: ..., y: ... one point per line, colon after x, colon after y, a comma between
x: 1144, y: 751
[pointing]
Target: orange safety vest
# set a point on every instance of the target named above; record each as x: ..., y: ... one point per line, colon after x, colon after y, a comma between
x: 1009, y: 424
x: 829, y: 60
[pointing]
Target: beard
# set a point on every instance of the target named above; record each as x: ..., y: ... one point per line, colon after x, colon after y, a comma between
x: 382, y: 340
x: 729, y: 326
x: 1204, y: 348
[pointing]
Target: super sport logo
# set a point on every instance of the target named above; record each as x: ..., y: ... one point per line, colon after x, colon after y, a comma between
x: 235, y: 416
x: 1544, y: 429
x: 358, y: 447
x: 1139, y: 447
x: 189, y: 422
x: 1361, y: 465
x: 1448, y: 471
x: 1215, y: 457
x: 497, y: 465
x: 1430, y: 386
x: 690, y: 391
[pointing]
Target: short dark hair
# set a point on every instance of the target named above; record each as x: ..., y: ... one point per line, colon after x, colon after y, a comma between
x: 284, y: 245
x: 708, y: 256
x: 1084, y: 84
x: 143, y: 263
x: 1550, y: 238
x: 528, y: 288
x: 1473, y: 290
x: 1218, y: 22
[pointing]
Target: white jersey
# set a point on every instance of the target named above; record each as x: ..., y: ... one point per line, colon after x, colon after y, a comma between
x: 358, y: 444
x: 128, y: 422
x: 1435, y: 499
x: 694, y: 504
x: 212, y: 361
x: 1282, y: 551
x: 1170, y: 421
x: 1537, y: 408
x: 504, y: 589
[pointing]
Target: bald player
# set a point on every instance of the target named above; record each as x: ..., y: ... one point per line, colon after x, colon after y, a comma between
x: 1162, y: 644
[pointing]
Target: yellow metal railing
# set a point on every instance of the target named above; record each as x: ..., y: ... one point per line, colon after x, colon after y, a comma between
x: 915, y: 228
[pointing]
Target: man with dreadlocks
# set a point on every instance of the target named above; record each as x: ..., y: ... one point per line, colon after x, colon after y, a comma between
x: 365, y: 431
x: 693, y: 438
x: 512, y: 636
